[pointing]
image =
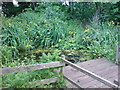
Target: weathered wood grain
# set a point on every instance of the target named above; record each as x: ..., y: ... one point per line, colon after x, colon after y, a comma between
x: 106, y: 69
x: 106, y: 82
x: 107, y: 73
x: 73, y: 82
x: 30, y: 67
x: 94, y: 62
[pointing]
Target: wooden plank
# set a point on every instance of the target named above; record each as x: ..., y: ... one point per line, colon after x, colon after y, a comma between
x: 71, y: 70
x: 88, y: 84
x: 112, y: 78
x: 90, y: 81
x: 70, y: 85
x: 106, y: 70
x: 97, y: 83
x: 92, y: 63
x: 89, y: 64
x: 100, y: 85
x: 84, y: 79
x: 102, y: 69
x: 90, y: 73
x: 30, y: 67
x: 44, y: 81
x: 102, y: 73
x: 113, y: 75
x: 116, y: 82
x: 73, y: 82
x: 73, y: 73
x: 99, y: 67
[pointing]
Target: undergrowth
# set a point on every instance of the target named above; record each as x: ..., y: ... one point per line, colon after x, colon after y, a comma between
x: 49, y: 27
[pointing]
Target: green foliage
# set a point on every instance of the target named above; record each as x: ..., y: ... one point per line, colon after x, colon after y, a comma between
x: 53, y: 26
x: 50, y: 57
x: 69, y: 44
x: 6, y: 54
x: 30, y: 30
x: 22, y: 79
x: 81, y: 10
x: 110, y: 11
x: 32, y: 59
x: 61, y: 82
x: 101, y: 41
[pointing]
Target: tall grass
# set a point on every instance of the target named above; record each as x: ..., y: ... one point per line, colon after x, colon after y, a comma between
x: 31, y: 30
x: 101, y: 40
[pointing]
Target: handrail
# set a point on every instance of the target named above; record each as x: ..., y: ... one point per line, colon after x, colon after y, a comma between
x: 106, y: 82
x: 30, y: 67
x: 34, y: 67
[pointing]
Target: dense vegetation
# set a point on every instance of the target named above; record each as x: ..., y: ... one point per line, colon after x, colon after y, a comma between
x: 40, y: 32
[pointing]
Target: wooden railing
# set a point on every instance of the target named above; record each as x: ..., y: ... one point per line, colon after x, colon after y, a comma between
x: 30, y: 67
x: 95, y: 76
x: 34, y: 67
x: 53, y: 65
x: 118, y: 62
x: 118, y: 54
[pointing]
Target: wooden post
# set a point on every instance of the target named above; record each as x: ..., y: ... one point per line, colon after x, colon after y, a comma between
x: 62, y: 69
x: 118, y: 61
x: 117, y: 82
x: 118, y: 54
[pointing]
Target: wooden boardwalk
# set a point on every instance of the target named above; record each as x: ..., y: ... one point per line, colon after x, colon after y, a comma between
x: 101, y: 67
x: 97, y: 73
